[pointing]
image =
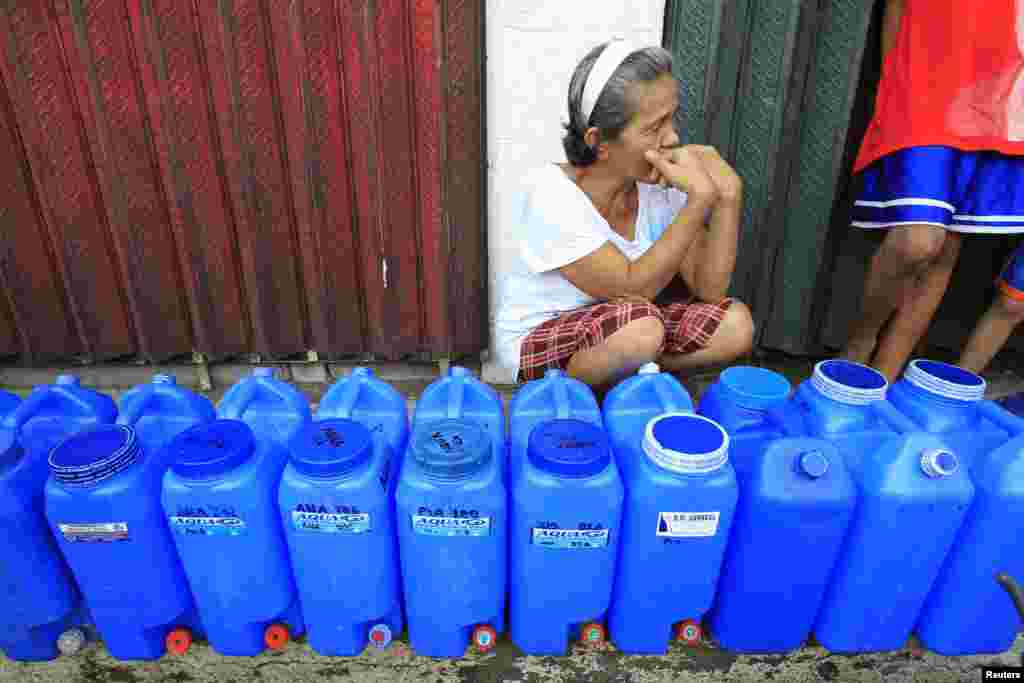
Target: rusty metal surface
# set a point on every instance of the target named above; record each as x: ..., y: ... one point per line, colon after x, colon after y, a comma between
x: 231, y: 176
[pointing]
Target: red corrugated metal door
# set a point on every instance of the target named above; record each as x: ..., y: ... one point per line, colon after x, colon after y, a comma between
x: 241, y: 175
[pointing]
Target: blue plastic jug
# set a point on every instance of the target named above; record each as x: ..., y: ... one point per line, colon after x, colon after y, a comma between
x: 161, y: 410
x: 8, y: 402
x: 634, y: 402
x: 339, y: 523
x: 795, y: 505
x: 44, y: 599
x: 53, y: 412
x: 370, y: 401
x: 565, y: 510
x: 220, y: 498
x: 741, y: 401
x: 844, y: 402
x: 913, y: 496
x: 103, y: 505
x: 452, y: 518
x: 40, y: 600
x: 460, y: 396
x: 947, y: 401
x: 274, y: 410
x: 680, y: 501
x: 968, y: 612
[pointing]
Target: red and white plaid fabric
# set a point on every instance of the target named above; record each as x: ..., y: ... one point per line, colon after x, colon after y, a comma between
x: 689, y: 327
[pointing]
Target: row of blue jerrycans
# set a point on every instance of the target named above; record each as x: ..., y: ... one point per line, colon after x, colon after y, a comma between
x: 89, y: 546
x: 868, y: 512
x: 571, y: 517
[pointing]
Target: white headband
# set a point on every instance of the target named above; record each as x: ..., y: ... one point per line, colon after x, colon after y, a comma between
x: 609, y: 60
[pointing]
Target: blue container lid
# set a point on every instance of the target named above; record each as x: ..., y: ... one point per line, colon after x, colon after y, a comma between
x: 569, y: 448
x: 211, y: 449
x: 68, y: 381
x: 813, y: 464
x: 264, y: 372
x: 330, y: 448
x: 164, y: 379
x: 450, y: 448
x: 755, y: 388
x: 90, y: 456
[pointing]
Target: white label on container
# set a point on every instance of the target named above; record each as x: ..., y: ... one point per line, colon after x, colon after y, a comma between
x: 569, y: 538
x: 687, y: 524
x: 94, y: 533
x: 207, y: 526
x: 451, y: 526
x: 331, y: 523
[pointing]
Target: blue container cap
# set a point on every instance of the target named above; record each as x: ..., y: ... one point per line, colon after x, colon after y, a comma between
x: 164, y: 379
x: 945, y: 380
x: 813, y: 464
x: 939, y: 463
x: 569, y: 448
x: 450, y: 449
x: 847, y: 382
x: 686, y: 443
x: 361, y: 372
x: 90, y: 456
x: 211, y: 449
x: 68, y: 381
x: 264, y: 372
x: 755, y: 388
x: 330, y: 448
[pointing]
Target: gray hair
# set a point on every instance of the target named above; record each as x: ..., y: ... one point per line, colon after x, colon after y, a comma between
x: 612, y: 110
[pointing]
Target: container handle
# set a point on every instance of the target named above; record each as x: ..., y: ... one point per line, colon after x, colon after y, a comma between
x: 349, y: 395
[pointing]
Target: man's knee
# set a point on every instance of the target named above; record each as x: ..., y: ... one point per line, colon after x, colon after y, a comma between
x: 916, y: 244
x: 735, y: 334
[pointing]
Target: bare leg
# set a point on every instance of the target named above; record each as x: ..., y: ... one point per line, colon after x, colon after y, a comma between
x: 733, y: 339
x: 991, y: 332
x: 895, y: 267
x: 620, y: 354
x: 915, y: 313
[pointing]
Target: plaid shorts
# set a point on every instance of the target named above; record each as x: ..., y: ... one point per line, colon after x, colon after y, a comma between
x: 689, y: 327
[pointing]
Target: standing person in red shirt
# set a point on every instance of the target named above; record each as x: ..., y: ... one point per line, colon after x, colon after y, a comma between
x: 941, y: 158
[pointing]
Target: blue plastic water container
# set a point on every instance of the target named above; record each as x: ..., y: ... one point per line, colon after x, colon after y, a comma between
x: 8, y: 402
x: 680, y: 502
x: 273, y: 409
x: 40, y: 600
x: 340, y: 527
x: 948, y: 401
x: 370, y: 401
x: 634, y: 402
x: 913, y: 497
x: 103, y: 505
x: 844, y: 402
x: 968, y: 612
x: 54, y: 412
x: 741, y: 401
x: 161, y: 410
x: 452, y: 531
x: 459, y: 395
x: 220, y: 498
x: 795, y: 505
x: 565, y: 510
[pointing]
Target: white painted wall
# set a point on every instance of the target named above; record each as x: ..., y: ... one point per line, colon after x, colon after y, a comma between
x: 532, y: 48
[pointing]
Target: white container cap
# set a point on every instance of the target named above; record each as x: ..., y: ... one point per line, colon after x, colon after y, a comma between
x: 686, y: 443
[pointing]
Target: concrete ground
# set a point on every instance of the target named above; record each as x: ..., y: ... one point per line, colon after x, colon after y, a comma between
x: 506, y: 664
